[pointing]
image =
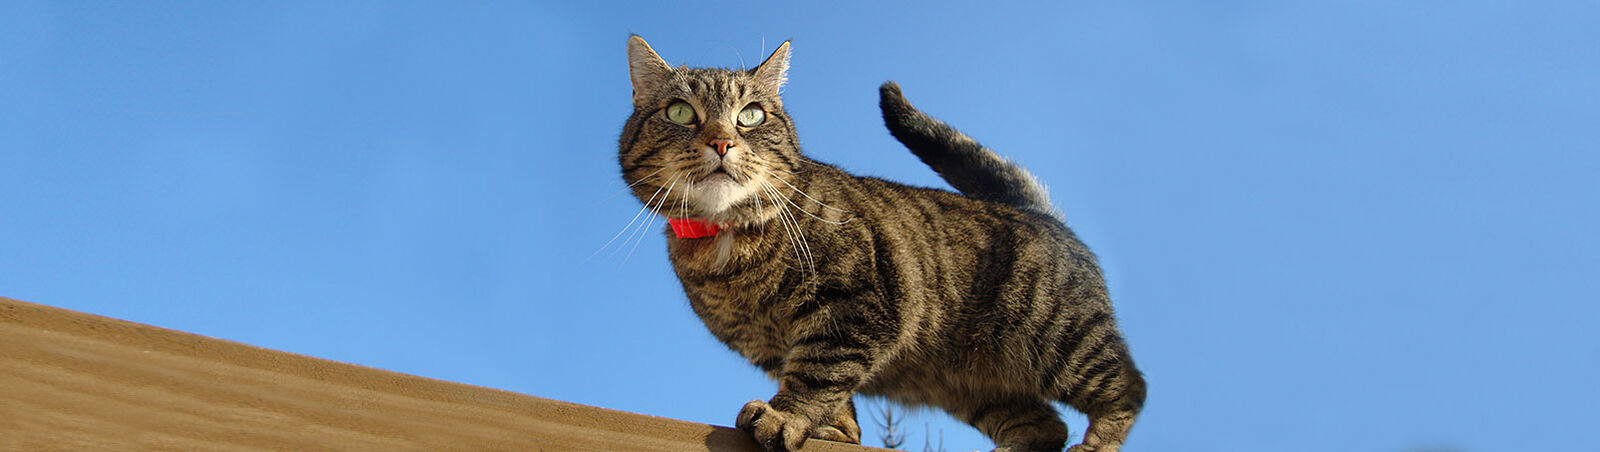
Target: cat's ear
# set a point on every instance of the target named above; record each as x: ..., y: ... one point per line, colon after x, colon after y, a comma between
x: 771, y: 74
x: 647, y: 70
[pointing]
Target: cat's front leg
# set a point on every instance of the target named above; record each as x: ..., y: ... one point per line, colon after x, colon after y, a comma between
x: 820, y: 374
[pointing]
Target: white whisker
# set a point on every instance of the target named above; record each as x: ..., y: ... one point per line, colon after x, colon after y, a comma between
x: 645, y: 231
x: 791, y: 222
x: 629, y: 226
x: 758, y: 212
x: 688, y: 204
x: 620, y: 190
x: 788, y: 233
x: 802, y: 209
x: 803, y: 193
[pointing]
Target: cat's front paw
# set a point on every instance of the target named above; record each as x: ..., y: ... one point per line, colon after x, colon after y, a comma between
x: 774, y: 429
x: 832, y: 433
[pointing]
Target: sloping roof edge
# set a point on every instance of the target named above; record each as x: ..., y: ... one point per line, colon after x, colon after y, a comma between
x: 72, y: 381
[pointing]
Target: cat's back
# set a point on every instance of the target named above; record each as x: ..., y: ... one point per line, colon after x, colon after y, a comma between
x: 956, y: 220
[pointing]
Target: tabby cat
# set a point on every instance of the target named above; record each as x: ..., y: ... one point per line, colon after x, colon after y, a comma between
x: 980, y: 303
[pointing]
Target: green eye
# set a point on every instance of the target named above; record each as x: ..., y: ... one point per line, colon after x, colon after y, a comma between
x: 752, y: 116
x: 681, y: 113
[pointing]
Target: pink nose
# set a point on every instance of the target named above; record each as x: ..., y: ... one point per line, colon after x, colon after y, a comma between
x: 722, y: 145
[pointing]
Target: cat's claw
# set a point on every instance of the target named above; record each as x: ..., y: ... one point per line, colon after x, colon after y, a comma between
x: 775, y: 430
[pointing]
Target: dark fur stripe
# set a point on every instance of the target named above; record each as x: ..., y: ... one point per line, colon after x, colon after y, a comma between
x: 832, y: 340
x: 1099, y: 369
x: 1071, y: 336
x: 819, y: 383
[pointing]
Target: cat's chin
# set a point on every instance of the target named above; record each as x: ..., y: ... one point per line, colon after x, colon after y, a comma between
x: 719, y: 192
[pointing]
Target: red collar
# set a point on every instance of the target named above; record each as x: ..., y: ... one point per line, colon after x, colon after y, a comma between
x: 692, y: 228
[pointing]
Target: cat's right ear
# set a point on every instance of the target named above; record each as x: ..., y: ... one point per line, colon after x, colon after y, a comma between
x: 647, y: 70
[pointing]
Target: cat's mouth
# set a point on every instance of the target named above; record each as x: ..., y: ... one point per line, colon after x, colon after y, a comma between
x: 718, y: 174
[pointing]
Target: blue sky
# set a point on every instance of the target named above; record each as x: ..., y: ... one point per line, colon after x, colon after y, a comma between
x: 1327, y: 226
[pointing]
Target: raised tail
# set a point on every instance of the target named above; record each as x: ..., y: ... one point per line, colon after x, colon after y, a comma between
x: 968, y: 166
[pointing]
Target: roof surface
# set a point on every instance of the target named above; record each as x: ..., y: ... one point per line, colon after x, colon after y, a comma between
x: 70, y: 380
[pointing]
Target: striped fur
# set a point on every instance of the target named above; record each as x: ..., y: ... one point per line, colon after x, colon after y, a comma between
x: 982, y: 304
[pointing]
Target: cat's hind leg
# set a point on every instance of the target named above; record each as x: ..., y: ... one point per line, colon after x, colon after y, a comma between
x: 1112, y: 408
x: 1020, y: 424
x: 1106, y: 433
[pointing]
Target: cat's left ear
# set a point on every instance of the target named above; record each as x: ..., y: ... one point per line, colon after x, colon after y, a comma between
x: 772, y: 74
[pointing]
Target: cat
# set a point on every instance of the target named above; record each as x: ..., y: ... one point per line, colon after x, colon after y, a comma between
x: 982, y: 303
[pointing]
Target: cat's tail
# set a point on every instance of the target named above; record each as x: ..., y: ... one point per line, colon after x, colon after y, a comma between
x: 968, y: 166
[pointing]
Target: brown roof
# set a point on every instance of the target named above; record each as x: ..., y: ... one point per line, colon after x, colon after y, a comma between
x: 76, y: 381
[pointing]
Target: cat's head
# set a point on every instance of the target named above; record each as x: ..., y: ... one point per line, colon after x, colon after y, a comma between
x: 708, y: 143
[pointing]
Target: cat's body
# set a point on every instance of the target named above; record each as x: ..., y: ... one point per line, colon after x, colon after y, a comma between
x: 983, y: 303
